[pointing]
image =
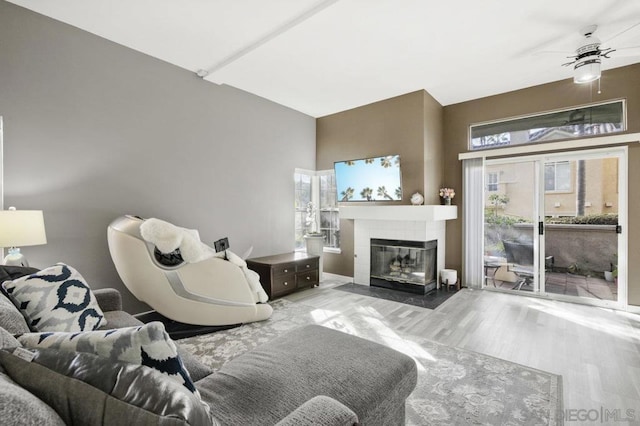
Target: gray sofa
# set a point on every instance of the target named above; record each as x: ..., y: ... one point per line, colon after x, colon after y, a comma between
x: 312, y: 375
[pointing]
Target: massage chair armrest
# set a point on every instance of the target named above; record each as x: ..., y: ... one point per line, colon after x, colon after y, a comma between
x: 109, y: 299
x: 321, y: 410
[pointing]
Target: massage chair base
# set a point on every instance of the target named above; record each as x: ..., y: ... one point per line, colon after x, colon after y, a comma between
x: 179, y: 330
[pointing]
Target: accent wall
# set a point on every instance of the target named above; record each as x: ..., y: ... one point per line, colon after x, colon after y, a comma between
x: 409, y: 125
x: 618, y: 83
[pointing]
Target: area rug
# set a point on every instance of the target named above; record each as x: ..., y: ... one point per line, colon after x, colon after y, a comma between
x: 455, y: 386
x: 430, y: 300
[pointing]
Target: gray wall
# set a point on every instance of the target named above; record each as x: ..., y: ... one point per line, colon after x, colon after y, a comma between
x: 94, y: 130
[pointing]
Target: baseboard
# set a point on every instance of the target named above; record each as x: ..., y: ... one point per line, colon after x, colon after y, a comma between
x: 633, y: 309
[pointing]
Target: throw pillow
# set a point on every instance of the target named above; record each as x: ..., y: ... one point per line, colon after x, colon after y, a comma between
x: 148, y: 345
x: 7, y: 341
x: 56, y: 299
x: 86, y: 389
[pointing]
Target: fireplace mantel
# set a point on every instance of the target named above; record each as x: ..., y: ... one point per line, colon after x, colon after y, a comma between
x: 429, y: 213
x: 413, y: 223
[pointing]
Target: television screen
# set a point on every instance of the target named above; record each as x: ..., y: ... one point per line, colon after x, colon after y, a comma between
x: 369, y: 179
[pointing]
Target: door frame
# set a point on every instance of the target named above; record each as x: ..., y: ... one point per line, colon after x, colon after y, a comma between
x: 620, y: 152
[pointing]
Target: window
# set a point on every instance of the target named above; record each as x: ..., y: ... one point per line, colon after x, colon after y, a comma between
x: 319, y: 188
x: 557, y: 176
x: 329, y: 215
x: 566, y: 124
x: 492, y: 181
x: 302, y: 198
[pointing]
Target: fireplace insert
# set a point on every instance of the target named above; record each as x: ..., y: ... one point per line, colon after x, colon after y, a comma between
x: 404, y: 265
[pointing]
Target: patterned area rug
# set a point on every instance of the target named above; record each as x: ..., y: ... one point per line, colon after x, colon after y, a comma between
x: 455, y: 386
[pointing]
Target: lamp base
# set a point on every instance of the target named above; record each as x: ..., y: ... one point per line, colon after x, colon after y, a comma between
x: 15, y: 258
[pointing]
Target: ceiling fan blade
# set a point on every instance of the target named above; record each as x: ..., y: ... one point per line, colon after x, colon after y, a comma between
x: 626, y: 51
x: 567, y: 53
x: 544, y: 46
x: 621, y: 32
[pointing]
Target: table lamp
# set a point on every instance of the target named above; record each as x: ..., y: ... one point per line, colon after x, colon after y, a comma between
x: 20, y: 228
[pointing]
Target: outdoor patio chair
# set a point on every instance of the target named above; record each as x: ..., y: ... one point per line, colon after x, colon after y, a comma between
x: 520, y: 261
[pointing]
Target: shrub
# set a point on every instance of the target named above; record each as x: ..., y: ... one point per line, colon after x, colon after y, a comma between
x: 593, y: 219
x: 501, y: 220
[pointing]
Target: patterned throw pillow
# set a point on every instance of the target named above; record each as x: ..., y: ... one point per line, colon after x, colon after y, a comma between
x: 56, y: 299
x: 147, y: 344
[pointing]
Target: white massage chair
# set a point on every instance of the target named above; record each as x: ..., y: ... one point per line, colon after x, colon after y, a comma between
x: 211, y: 292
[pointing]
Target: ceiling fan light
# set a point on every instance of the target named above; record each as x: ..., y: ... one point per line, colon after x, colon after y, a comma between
x: 587, y: 70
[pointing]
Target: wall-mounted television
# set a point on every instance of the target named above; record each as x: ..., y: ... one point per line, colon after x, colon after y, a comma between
x: 369, y: 179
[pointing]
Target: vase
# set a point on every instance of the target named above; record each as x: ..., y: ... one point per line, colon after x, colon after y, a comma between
x: 446, y: 201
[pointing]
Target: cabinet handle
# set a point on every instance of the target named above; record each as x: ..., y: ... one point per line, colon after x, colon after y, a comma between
x: 286, y: 283
x: 286, y: 270
x: 308, y: 266
x: 308, y: 278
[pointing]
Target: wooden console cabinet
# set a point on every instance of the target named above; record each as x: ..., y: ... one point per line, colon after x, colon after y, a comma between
x: 282, y: 274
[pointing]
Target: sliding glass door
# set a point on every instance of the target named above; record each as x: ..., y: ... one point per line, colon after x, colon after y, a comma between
x: 553, y: 225
x: 510, y: 240
x: 581, y: 223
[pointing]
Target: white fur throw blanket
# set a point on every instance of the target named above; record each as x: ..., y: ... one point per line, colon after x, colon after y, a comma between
x: 168, y: 237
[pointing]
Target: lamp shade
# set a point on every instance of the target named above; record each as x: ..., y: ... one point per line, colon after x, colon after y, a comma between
x: 22, y: 228
x: 587, y: 70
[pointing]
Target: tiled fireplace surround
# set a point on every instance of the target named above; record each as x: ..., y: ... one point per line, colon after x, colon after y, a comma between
x: 413, y: 223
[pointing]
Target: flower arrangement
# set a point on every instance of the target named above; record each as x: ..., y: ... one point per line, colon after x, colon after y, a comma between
x: 447, y: 193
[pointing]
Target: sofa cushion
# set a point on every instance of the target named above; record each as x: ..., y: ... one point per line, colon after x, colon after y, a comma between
x: 18, y: 406
x: 86, y: 389
x: 55, y: 299
x: 321, y: 410
x: 148, y: 344
x: 371, y: 379
x: 197, y: 370
x: 120, y: 319
x: 10, y: 317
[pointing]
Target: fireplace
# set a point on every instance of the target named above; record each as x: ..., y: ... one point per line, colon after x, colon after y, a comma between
x: 404, y: 265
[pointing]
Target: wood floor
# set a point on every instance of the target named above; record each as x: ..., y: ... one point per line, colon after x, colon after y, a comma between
x: 596, y: 350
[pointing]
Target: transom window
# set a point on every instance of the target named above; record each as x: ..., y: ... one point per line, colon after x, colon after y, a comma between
x: 565, y: 124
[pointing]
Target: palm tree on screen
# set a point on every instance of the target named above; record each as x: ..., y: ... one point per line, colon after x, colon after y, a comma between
x: 382, y: 192
x: 347, y: 194
x: 385, y: 162
x: 366, y: 193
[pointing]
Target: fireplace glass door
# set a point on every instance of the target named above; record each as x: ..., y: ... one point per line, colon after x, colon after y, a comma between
x: 404, y: 265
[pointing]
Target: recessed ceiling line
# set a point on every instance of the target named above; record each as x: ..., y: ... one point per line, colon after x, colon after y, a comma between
x: 317, y: 8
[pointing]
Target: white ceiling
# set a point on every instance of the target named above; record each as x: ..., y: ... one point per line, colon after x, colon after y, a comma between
x: 321, y: 57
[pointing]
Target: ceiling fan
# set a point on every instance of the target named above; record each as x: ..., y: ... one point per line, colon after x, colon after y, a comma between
x: 589, y: 53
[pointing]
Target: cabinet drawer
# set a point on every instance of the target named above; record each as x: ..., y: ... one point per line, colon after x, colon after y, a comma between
x: 283, y: 284
x: 307, y: 279
x: 285, y: 268
x: 307, y: 265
